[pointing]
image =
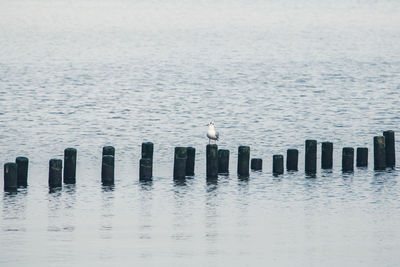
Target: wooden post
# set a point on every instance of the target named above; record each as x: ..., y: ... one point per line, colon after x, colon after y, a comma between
x: 107, y: 170
x: 22, y: 171
x: 390, y: 149
x: 190, y: 161
x: 145, y: 169
x: 277, y: 164
x: 327, y: 155
x: 379, y: 153
x: 55, y: 173
x: 311, y: 157
x: 223, y: 161
x: 362, y: 157
x: 70, y: 165
x: 348, y: 159
x: 243, y: 161
x: 109, y: 150
x: 212, y: 161
x: 256, y: 164
x: 292, y: 158
x: 10, y: 177
x: 147, y: 150
x: 180, y: 162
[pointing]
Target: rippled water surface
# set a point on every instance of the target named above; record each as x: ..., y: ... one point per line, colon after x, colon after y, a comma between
x: 271, y: 74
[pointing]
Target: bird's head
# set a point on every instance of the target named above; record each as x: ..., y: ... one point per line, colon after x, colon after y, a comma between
x: 210, y: 123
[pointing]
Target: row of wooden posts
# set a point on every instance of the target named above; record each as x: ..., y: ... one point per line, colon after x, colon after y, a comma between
x: 217, y: 162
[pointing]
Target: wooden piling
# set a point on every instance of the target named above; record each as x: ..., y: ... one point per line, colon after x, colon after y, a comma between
x: 243, y: 161
x: 256, y: 164
x: 379, y: 153
x: 107, y: 170
x: 326, y: 155
x: 10, y: 177
x: 362, y: 157
x: 180, y: 162
x: 212, y: 161
x: 277, y: 164
x: 70, y: 165
x: 311, y: 156
x: 390, y: 149
x: 147, y: 150
x: 223, y: 161
x: 190, y: 161
x: 145, y: 169
x: 55, y: 173
x: 292, y: 158
x: 22, y: 171
x: 348, y: 159
x: 109, y: 150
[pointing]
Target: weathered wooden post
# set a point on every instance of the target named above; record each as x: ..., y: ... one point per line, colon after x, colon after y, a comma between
x: 348, y: 159
x: 256, y: 164
x: 180, y: 162
x: 212, y: 161
x: 109, y: 150
x: 55, y: 173
x: 379, y: 153
x: 147, y: 150
x: 107, y: 170
x: 277, y: 164
x: 292, y: 159
x: 243, y: 161
x: 327, y: 155
x: 70, y: 165
x: 22, y: 171
x: 190, y: 161
x: 362, y: 157
x: 145, y: 169
x: 311, y: 157
x: 390, y: 149
x: 223, y: 161
x: 10, y: 177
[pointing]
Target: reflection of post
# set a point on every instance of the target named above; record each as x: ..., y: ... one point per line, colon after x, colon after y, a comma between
x: 107, y: 215
x: 13, y: 215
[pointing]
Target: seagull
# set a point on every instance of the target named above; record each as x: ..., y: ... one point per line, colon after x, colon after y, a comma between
x: 211, y: 133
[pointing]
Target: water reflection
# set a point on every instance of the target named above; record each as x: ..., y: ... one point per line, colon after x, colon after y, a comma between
x: 14, y: 211
x: 211, y: 216
x: 212, y: 183
x: 180, y: 182
x: 146, y: 185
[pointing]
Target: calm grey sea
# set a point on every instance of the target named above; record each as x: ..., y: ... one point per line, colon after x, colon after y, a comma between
x: 270, y: 74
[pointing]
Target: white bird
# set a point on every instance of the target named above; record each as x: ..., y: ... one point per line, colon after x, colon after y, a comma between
x: 211, y: 133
